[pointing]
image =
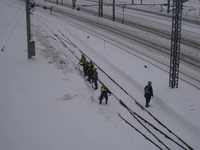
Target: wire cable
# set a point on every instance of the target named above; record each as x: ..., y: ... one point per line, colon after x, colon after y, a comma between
x: 11, y: 20
x: 12, y: 31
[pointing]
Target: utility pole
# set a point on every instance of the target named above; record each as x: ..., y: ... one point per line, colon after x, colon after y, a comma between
x: 30, y: 44
x: 28, y: 27
x: 113, y: 10
x: 175, y: 42
x: 168, y: 6
x: 101, y: 8
x: 199, y: 7
x: 73, y: 4
x: 123, y: 7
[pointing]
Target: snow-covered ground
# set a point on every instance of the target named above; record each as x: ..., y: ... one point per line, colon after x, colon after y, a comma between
x: 45, y: 103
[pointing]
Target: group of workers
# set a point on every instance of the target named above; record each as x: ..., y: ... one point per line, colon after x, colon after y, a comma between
x: 91, y: 71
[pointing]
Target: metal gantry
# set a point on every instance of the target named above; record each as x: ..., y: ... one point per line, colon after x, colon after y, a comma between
x: 175, y: 42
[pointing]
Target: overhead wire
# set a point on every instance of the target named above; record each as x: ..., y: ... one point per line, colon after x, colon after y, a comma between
x: 11, y: 20
x: 14, y: 26
x: 12, y: 31
x: 132, y: 112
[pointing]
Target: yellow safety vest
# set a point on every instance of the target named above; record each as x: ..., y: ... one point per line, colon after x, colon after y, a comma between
x: 103, y: 89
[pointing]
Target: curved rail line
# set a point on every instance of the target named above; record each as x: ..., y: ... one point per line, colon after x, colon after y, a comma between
x: 144, y: 27
x: 156, y: 47
x: 131, y: 7
x: 65, y: 42
x: 145, y: 42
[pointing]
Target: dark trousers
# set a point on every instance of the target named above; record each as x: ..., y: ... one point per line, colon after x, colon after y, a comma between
x: 103, y: 96
x: 95, y: 84
x: 148, y: 98
x: 89, y: 75
x: 85, y: 71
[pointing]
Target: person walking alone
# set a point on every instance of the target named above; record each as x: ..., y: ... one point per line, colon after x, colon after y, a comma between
x: 148, y: 93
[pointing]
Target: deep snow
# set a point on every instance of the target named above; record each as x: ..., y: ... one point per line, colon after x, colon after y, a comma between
x: 46, y: 104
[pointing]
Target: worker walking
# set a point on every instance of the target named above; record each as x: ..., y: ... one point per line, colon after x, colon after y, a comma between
x: 148, y: 93
x: 104, y: 94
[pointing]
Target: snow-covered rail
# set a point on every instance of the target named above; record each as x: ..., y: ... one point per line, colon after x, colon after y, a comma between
x: 154, y: 131
x: 133, y: 19
x: 151, y: 45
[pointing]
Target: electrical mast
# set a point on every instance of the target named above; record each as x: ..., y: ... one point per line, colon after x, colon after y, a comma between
x: 175, y: 42
x: 30, y: 5
x: 101, y: 8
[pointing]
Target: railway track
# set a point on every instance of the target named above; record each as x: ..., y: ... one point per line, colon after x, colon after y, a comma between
x: 152, y: 46
x: 189, y: 38
x: 152, y: 129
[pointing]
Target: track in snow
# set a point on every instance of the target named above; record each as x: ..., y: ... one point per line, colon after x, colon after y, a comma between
x: 155, y: 132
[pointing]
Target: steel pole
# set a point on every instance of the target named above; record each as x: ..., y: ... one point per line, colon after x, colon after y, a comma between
x: 28, y: 28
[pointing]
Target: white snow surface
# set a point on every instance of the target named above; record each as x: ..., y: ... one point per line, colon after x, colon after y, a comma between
x: 46, y: 104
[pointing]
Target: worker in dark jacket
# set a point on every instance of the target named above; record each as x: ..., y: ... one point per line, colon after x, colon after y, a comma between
x: 83, y: 58
x: 90, y: 70
x: 104, y: 94
x: 148, y: 93
x: 85, y: 67
x: 95, y: 78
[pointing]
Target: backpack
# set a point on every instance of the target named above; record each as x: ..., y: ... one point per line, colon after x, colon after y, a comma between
x: 147, y: 89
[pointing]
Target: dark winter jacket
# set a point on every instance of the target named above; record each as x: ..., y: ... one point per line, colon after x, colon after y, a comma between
x: 83, y: 59
x: 148, y: 90
x: 104, y: 91
x: 95, y: 75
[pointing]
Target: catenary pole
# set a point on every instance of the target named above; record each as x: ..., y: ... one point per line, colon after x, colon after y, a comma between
x: 175, y: 42
x: 28, y: 28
